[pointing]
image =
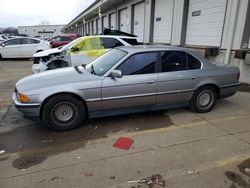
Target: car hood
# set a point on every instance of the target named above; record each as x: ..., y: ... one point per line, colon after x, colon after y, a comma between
x: 57, y: 77
x: 47, y: 52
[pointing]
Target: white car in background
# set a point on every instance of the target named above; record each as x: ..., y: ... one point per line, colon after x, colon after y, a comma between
x: 22, y: 47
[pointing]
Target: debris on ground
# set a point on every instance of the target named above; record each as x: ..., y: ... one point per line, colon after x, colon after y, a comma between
x: 112, y: 177
x: 2, y: 152
x: 95, y: 127
x: 193, y: 172
x: 88, y: 173
x: 155, y: 179
x: 78, y: 157
x: 123, y: 143
x: 47, y: 141
x: 247, y: 170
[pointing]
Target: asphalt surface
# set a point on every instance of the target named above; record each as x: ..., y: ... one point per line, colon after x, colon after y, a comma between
x: 187, y: 149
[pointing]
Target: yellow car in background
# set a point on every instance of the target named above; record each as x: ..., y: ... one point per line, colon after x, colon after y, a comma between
x: 81, y: 51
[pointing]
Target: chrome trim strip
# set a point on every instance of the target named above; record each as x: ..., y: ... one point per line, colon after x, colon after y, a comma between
x: 140, y: 95
x: 231, y: 85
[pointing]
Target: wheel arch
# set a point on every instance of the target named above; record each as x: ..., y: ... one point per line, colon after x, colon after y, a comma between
x: 39, y: 51
x: 213, y: 85
x: 63, y: 93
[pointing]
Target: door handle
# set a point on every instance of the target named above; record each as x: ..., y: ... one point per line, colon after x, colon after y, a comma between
x: 151, y: 81
x: 193, y: 78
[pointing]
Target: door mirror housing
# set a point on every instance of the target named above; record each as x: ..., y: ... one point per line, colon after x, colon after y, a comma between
x: 116, y: 74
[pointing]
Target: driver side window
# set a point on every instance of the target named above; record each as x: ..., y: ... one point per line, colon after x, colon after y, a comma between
x: 142, y: 63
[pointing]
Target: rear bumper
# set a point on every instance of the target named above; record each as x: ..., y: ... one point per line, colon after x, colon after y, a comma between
x: 229, y: 90
x: 29, y: 110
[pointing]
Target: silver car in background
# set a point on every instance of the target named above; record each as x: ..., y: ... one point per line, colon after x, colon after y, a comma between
x: 125, y: 80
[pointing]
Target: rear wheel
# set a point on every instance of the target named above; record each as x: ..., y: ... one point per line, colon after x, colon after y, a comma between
x: 63, y: 112
x: 203, y: 100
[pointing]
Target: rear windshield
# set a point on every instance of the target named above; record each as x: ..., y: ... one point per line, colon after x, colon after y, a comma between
x: 130, y: 41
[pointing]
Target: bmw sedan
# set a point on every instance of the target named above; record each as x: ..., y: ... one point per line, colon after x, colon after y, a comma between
x: 125, y: 80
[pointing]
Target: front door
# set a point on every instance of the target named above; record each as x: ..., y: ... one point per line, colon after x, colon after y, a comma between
x: 137, y: 87
x: 86, y: 51
x: 12, y: 49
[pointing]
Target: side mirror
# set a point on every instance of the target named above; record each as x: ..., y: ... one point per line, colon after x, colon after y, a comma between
x: 116, y: 74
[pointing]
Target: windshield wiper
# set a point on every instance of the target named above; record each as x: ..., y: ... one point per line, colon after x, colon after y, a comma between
x: 93, y: 69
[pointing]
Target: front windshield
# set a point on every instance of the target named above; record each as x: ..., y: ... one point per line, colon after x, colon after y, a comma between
x: 102, y: 64
x: 71, y: 44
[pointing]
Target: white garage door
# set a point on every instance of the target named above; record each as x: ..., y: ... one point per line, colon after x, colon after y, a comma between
x: 89, y: 28
x: 163, y: 20
x: 138, y: 23
x: 98, y: 24
x: 205, y: 22
x: 123, y: 20
x: 105, y: 22
x: 112, y: 21
x: 93, y: 27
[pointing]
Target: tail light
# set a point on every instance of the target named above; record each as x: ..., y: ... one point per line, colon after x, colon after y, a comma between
x: 238, y: 75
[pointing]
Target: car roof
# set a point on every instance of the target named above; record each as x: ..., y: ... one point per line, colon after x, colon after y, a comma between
x: 19, y: 37
x: 145, y: 48
x: 112, y: 36
x: 159, y: 47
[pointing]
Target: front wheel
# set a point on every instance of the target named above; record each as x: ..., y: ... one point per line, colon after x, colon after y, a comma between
x: 63, y: 112
x: 203, y: 100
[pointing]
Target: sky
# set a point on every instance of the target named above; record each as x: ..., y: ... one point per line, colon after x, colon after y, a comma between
x: 15, y: 13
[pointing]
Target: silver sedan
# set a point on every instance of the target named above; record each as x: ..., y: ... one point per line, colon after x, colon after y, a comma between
x: 125, y: 80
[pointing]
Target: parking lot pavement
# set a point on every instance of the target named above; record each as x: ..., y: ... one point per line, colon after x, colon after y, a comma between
x: 187, y: 149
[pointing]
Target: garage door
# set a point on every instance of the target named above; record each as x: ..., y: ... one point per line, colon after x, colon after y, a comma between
x: 163, y: 20
x: 89, y: 28
x: 123, y: 20
x: 138, y: 22
x: 105, y: 22
x: 98, y: 24
x: 205, y: 22
x: 93, y: 27
x: 112, y: 21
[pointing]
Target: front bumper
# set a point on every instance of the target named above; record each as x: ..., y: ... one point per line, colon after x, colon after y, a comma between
x: 41, y: 67
x: 29, y: 110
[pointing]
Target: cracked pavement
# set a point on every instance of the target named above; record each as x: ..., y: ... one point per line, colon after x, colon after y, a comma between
x: 187, y: 149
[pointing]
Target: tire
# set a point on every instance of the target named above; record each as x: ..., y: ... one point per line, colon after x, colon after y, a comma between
x: 203, y: 100
x: 63, y: 112
x: 36, y: 60
x: 57, y: 64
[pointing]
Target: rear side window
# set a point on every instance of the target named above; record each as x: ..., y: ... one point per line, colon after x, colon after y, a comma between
x: 173, y: 61
x: 130, y: 41
x: 143, y: 63
x: 65, y: 39
x: 13, y: 42
x: 111, y: 43
x: 193, y: 63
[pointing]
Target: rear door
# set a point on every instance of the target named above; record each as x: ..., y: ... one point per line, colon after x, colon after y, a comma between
x: 29, y: 46
x: 86, y: 51
x: 136, y: 88
x: 178, y: 77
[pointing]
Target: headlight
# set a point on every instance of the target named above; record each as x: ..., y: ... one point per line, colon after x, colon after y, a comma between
x: 23, y: 98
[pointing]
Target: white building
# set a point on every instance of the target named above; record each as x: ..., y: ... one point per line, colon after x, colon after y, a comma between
x: 42, y: 30
x: 219, y: 29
